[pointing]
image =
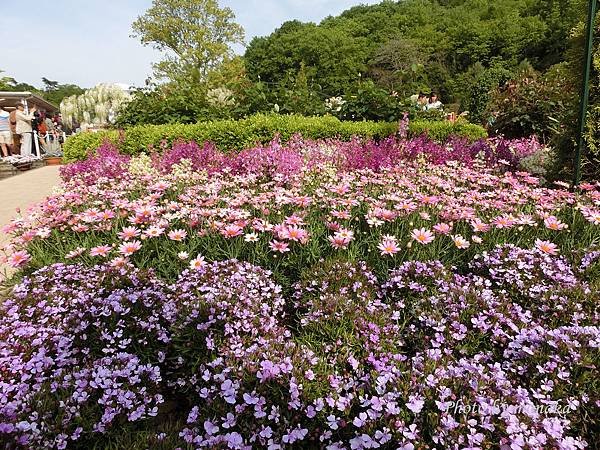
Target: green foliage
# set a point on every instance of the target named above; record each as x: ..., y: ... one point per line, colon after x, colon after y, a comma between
x: 366, y: 101
x: 440, y: 131
x: 418, y: 44
x: 533, y: 104
x: 477, y: 85
x: 77, y: 146
x: 227, y: 134
x: 231, y: 135
x: 196, y: 33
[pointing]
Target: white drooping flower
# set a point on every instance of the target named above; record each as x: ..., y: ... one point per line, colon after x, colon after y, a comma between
x: 96, y: 105
x: 334, y: 104
x: 220, y: 97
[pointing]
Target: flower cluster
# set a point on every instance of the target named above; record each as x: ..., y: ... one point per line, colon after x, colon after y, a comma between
x: 298, y: 154
x: 426, y: 357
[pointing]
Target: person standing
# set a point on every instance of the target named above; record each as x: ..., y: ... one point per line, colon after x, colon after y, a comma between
x: 24, y: 128
x: 5, y: 133
x: 16, y: 139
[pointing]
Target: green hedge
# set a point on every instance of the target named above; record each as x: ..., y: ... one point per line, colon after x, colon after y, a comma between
x: 231, y: 135
x: 440, y: 131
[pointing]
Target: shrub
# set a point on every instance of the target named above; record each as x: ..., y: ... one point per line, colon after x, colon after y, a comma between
x: 228, y: 135
x: 440, y: 131
x: 77, y: 147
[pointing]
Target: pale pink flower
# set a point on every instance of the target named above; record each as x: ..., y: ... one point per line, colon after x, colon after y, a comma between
x: 183, y: 255
x: 388, y: 247
x: 479, y: 226
x: 555, y: 224
x: 75, y: 253
x: 101, y: 250
x: 460, y: 241
x: 231, y: 230
x: 295, y: 233
x: 504, y: 222
x: 129, y: 248
x: 442, y: 228
x: 251, y: 237
x: 129, y: 233
x: 278, y: 246
x: 154, y: 231
x: 546, y: 247
x: 198, y: 263
x: 118, y: 262
x: 19, y: 259
x: 422, y: 236
x: 177, y: 235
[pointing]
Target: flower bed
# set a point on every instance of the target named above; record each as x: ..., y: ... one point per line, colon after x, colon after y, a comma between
x: 316, y: 295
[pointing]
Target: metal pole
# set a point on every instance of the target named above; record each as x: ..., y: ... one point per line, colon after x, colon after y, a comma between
x: 585, y: 90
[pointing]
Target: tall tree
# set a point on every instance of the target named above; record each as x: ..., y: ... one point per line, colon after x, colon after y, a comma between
x: 195, y: 34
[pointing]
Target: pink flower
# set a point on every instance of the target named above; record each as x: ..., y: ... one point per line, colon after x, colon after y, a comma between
x: 504, y: 222
x: 442, y: 228
x: 129, y: 248
x: 460, y: 241
x: 18, y: 259
x: 154, y: 231
x: 118, y: 262
x: 388, y: 246
x: 546, y: 247
x: 177, y: 235
x: 479, y: 226
x: 75, y: 253
x: 423, y: 236
x: 555, y: 224
x: 278, y: 246
x: 294, y: 233
x: 101, y: 250
x: 198, y: 263
x: 338, y: 242
x: 129, y: 233
x: 231, y: 231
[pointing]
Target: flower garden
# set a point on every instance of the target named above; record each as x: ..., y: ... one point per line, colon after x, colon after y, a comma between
x: 394, y: 294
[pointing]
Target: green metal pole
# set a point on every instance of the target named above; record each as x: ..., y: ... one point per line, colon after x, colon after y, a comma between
x: 585, y: 90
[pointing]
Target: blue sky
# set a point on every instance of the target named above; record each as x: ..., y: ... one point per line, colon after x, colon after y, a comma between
x: 87, y: 41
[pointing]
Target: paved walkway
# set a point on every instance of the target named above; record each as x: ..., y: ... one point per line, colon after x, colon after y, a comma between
x: 22, y: 191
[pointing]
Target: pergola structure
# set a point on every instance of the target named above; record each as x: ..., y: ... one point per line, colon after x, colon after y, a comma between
x: 9, y: 101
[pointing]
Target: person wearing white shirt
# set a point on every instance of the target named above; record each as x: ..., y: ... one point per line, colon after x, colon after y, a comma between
x: 434, y: 102
x: 24, y: 128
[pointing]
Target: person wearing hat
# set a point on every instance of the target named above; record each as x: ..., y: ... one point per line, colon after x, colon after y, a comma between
x: 24, y: 128
x: 5, y: 133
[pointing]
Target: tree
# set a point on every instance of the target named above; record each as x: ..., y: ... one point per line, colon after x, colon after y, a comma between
x: 6, y: 83
x: 49, y: 85
x: 196, y: 34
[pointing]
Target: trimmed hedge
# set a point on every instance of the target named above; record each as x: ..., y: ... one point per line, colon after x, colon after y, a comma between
x: 440, y: 131
x: 230, y: 135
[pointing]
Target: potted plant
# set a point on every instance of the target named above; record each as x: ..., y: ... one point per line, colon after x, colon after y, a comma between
x: 53, y: 157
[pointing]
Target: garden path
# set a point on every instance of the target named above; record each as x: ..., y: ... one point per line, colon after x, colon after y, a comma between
x: 23, y: 190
